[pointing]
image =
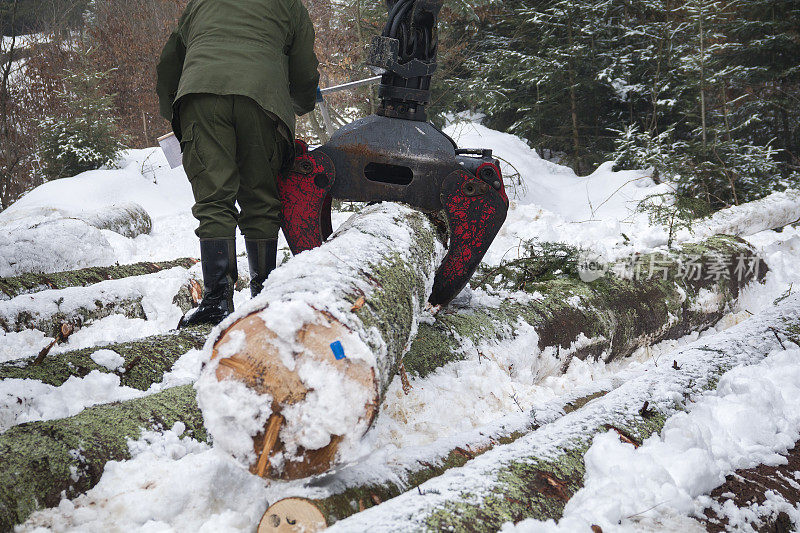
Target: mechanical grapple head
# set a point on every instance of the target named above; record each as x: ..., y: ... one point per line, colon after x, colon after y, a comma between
x: 396, y: 155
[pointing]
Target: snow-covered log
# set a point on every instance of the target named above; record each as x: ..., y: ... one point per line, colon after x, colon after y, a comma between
x: 31, y: 283
x: 775, y: 211
x: 761, y: 497
x: 535, y: 476
x: 41, y: 462
x: 49, y: 310
x: 353, y: 488
x: 42, y: 239
x: 610, y: 317
x: 139, y: 363
x: 128, y: 219
x: 306, y: 364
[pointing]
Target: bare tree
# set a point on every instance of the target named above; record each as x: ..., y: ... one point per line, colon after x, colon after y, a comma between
x: 10, y: 157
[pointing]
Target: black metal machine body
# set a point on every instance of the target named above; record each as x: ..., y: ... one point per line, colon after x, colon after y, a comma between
x: 396, y: 155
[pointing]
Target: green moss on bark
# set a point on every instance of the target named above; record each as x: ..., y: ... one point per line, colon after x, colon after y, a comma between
x: 31, y: 283
x: 618, y: 315
x: 41, y: 460
x: 146, y: 360
x: 536, y: 487
x: 399, y: 290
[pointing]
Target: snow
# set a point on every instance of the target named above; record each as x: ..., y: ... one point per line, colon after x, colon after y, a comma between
x: 108, y: 359
x: 176, y: 484
x: 663, y: 387
x: 167, y: 200
x: 26, y: 400
x: 171, y: 484
x: 233, y: 414
x: 752, y: 418
x: 781, y: 207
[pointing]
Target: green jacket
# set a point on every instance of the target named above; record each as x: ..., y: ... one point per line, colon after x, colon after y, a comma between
x: 262, y: 49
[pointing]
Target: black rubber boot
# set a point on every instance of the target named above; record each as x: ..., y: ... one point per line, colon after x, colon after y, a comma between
x: 261, y: 256
x: 218, y: 259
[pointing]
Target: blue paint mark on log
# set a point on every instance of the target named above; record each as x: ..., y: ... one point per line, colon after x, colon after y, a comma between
x: 338, y: 350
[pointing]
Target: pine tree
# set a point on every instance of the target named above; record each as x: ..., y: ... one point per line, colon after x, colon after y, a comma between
x: 759, y: 70
x: 543, y: 75
x: 85, y: 136
x: 703, y: 91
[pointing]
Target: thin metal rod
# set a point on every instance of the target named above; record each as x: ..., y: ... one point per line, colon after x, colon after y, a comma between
x: 326, y: 117
x: 350, y: 85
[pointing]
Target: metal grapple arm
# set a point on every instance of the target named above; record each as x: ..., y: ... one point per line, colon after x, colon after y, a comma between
x: 397, y: 156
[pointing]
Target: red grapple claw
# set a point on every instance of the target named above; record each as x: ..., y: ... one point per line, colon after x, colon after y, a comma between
x: 476, y: 210
x: 304, y: 190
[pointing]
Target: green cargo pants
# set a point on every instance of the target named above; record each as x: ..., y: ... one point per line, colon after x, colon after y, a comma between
x: 232, y: 152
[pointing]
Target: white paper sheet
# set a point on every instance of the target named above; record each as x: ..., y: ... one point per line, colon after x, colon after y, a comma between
x: 172, y: 149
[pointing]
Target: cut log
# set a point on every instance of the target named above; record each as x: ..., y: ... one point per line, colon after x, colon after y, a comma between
x: 145, y: 360
x: 29, y: 242
x: 31, y: 283
x: 47, y: 311
x: 775, y: 211
x: 314, y: 357
x: 535, y: 476
x: 128, y: 219
x: 41, y: 462
x: 608, y: 318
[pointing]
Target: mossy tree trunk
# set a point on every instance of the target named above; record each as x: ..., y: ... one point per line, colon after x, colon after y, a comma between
x: 608, y: 318
x: 146, y: 360
x: 129, y: 219
x: 40, y: 461
x: 777, y: 210
x: 536, y: 476
x: 49, y: 316
x: 31, y: 283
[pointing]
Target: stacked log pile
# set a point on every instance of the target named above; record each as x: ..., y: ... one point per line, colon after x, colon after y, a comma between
x: 354, y: 311
x: 346, y: 500
x: 39, y: 459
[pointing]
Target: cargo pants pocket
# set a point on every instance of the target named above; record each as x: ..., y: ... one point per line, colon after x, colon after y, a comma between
x: 193, y: 163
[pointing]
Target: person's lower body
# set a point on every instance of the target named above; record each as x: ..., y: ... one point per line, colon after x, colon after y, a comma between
x: 232, y: 152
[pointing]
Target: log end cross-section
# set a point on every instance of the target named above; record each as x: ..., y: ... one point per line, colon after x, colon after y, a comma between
x: 259, y: 365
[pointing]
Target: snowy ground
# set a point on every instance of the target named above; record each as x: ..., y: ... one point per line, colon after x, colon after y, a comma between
x: 175, y: 484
